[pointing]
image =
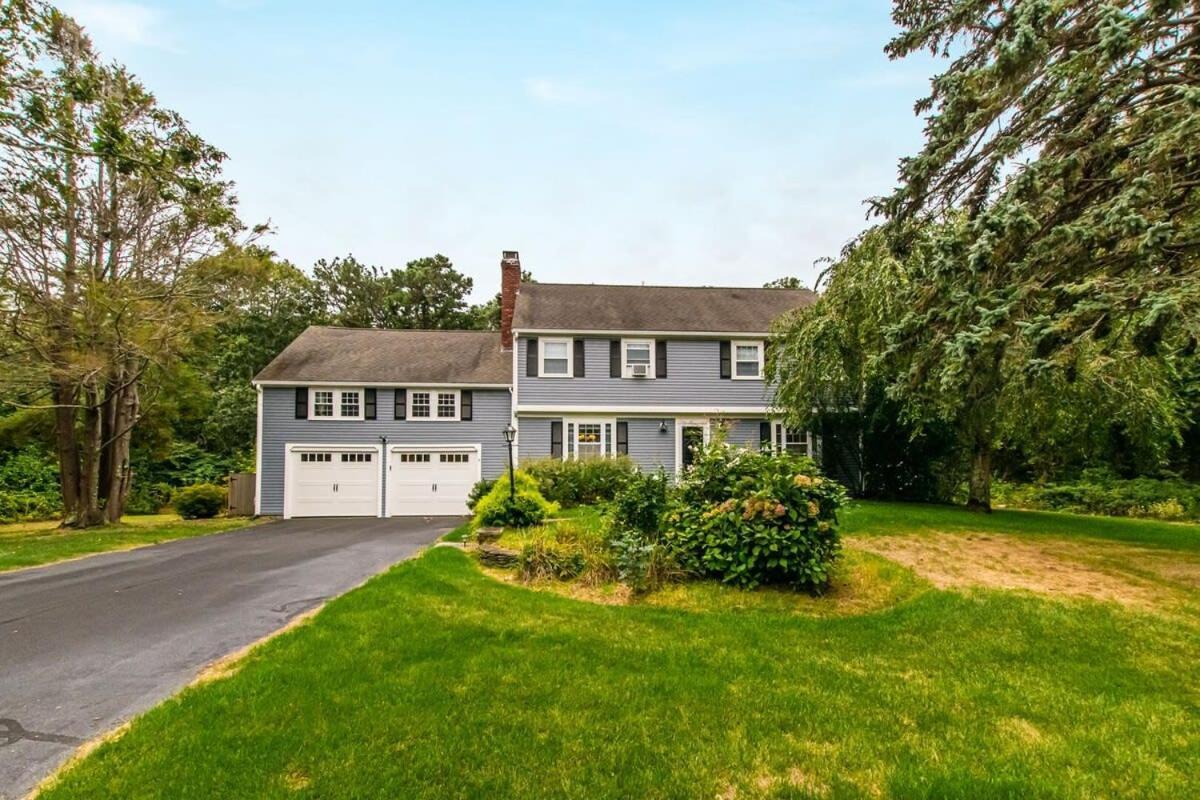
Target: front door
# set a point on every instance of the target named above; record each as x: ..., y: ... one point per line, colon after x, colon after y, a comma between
x: 691, y: 439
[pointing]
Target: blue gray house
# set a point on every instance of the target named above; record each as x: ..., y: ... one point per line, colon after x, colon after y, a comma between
x: 361, y: 422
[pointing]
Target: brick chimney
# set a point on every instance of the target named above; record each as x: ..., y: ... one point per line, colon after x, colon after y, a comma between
x: 510, y: 284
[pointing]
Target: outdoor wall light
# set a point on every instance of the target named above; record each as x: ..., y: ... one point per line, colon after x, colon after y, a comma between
x: 662, y: 426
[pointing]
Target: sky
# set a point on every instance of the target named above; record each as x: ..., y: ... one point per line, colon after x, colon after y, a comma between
x: 664, y: 142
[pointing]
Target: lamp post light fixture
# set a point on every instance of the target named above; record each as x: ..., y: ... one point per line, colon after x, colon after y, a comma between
x: 510, y: 433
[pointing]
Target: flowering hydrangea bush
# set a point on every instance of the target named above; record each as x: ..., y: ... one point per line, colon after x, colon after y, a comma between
x: 751, y: 518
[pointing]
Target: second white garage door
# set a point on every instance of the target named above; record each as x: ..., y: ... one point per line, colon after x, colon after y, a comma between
x: 431, y: 481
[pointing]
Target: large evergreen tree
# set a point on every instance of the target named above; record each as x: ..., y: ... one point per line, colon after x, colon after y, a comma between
x: 1061, y: 169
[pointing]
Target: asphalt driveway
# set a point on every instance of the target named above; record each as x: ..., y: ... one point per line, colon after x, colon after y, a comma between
x: 87, y: 644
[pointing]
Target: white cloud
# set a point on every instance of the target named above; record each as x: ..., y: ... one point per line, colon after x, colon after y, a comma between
x: 120, y: 23
x: 548, y: 90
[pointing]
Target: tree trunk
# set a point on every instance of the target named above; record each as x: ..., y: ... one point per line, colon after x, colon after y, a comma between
x: 67, y: 447
x: 124, y: 405
x: 979, y: 491
x: 89, y: 512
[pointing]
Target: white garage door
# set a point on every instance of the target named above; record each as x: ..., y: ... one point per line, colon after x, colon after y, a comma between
x: 431, y: 481
x: 332, y: 483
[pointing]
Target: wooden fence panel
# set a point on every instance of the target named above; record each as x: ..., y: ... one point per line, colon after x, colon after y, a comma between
x: 241, y: 494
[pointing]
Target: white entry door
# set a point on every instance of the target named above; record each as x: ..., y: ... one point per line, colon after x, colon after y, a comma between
x: 332, y: 483
x: 432, y: 481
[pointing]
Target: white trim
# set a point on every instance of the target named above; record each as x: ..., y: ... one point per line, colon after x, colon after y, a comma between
x: 541, y: 357
x: 433, y: 405
x: 290, y: 447
x: 762, y: 351
x: 475, y: 447
x: 383, y: 384
x: 258, y: 455
x: 652, y: 366
x: 337, y: 392
x: 648, y: 411
x: 689, y: 422
x: 512, y: 402
x: 612, y: 334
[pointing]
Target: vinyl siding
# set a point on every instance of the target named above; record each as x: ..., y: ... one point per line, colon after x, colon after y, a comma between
x: 649, y: 447
x: 693, y: 378
x: 491, y: 413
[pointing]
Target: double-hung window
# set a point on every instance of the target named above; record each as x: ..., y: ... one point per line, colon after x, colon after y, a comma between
x: 447, y: 405
x: 555, y: 358
x: 748, y: 360
x: 637, y: 358
x: 792, y: 440
x: 419, y: 405
x: 335, y: 403
x: 322, y: 402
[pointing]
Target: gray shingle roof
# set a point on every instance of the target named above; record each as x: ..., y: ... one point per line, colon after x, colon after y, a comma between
x: 369, y: 355
x: 598, y: 307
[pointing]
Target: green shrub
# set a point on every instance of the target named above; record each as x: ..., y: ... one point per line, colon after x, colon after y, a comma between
x: 18, y: 505
x: 147, y: 498
x: 199, y: 501
x: 584, y: 482
x: 478, y: 491
x: 751, y: 518
x: 527, y: 508
x: 29, y: 485
x: 1098, y: 491
x: 640, y: 502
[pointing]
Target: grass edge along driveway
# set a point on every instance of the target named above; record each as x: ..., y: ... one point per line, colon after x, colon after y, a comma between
x: 35, y: 544
x: 483, y: 689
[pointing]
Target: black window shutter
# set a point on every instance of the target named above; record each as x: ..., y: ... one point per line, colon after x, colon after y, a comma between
x: 301, y: 402
x: 660, y: 359
x: 726, y: 361
x: 531, y: 358
x: 614, y: 358
x: 764, y: 435
x: 623, y: 438
x: 368, y: 404
x: 466, y: 405
x: 401, y: 403
x: 556, y: 438
x: 579, y: 371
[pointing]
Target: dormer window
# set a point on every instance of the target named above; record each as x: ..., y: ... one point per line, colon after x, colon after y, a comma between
x: 747, y: 360
x: 637, y: 358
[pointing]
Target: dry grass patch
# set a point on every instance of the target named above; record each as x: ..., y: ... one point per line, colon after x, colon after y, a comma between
x: 1131, y: 576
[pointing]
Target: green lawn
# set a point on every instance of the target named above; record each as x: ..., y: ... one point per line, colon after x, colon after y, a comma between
x: 436, y: 680
x: 28, y: 544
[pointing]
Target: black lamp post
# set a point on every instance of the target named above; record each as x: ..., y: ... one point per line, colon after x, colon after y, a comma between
x: 510, y: 433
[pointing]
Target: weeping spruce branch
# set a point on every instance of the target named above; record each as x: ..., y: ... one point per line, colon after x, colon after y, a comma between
x: 1048, y: 229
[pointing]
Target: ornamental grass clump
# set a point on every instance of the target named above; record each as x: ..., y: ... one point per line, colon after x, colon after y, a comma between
x: 751, y: 518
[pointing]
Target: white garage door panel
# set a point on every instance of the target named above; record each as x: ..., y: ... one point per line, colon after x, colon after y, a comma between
x: 333, y: 483
x: 431, y: 482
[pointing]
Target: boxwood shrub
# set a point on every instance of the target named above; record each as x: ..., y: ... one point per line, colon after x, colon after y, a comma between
x: 199, y: 501
x: 751, y: 518
x: 527, y: 507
